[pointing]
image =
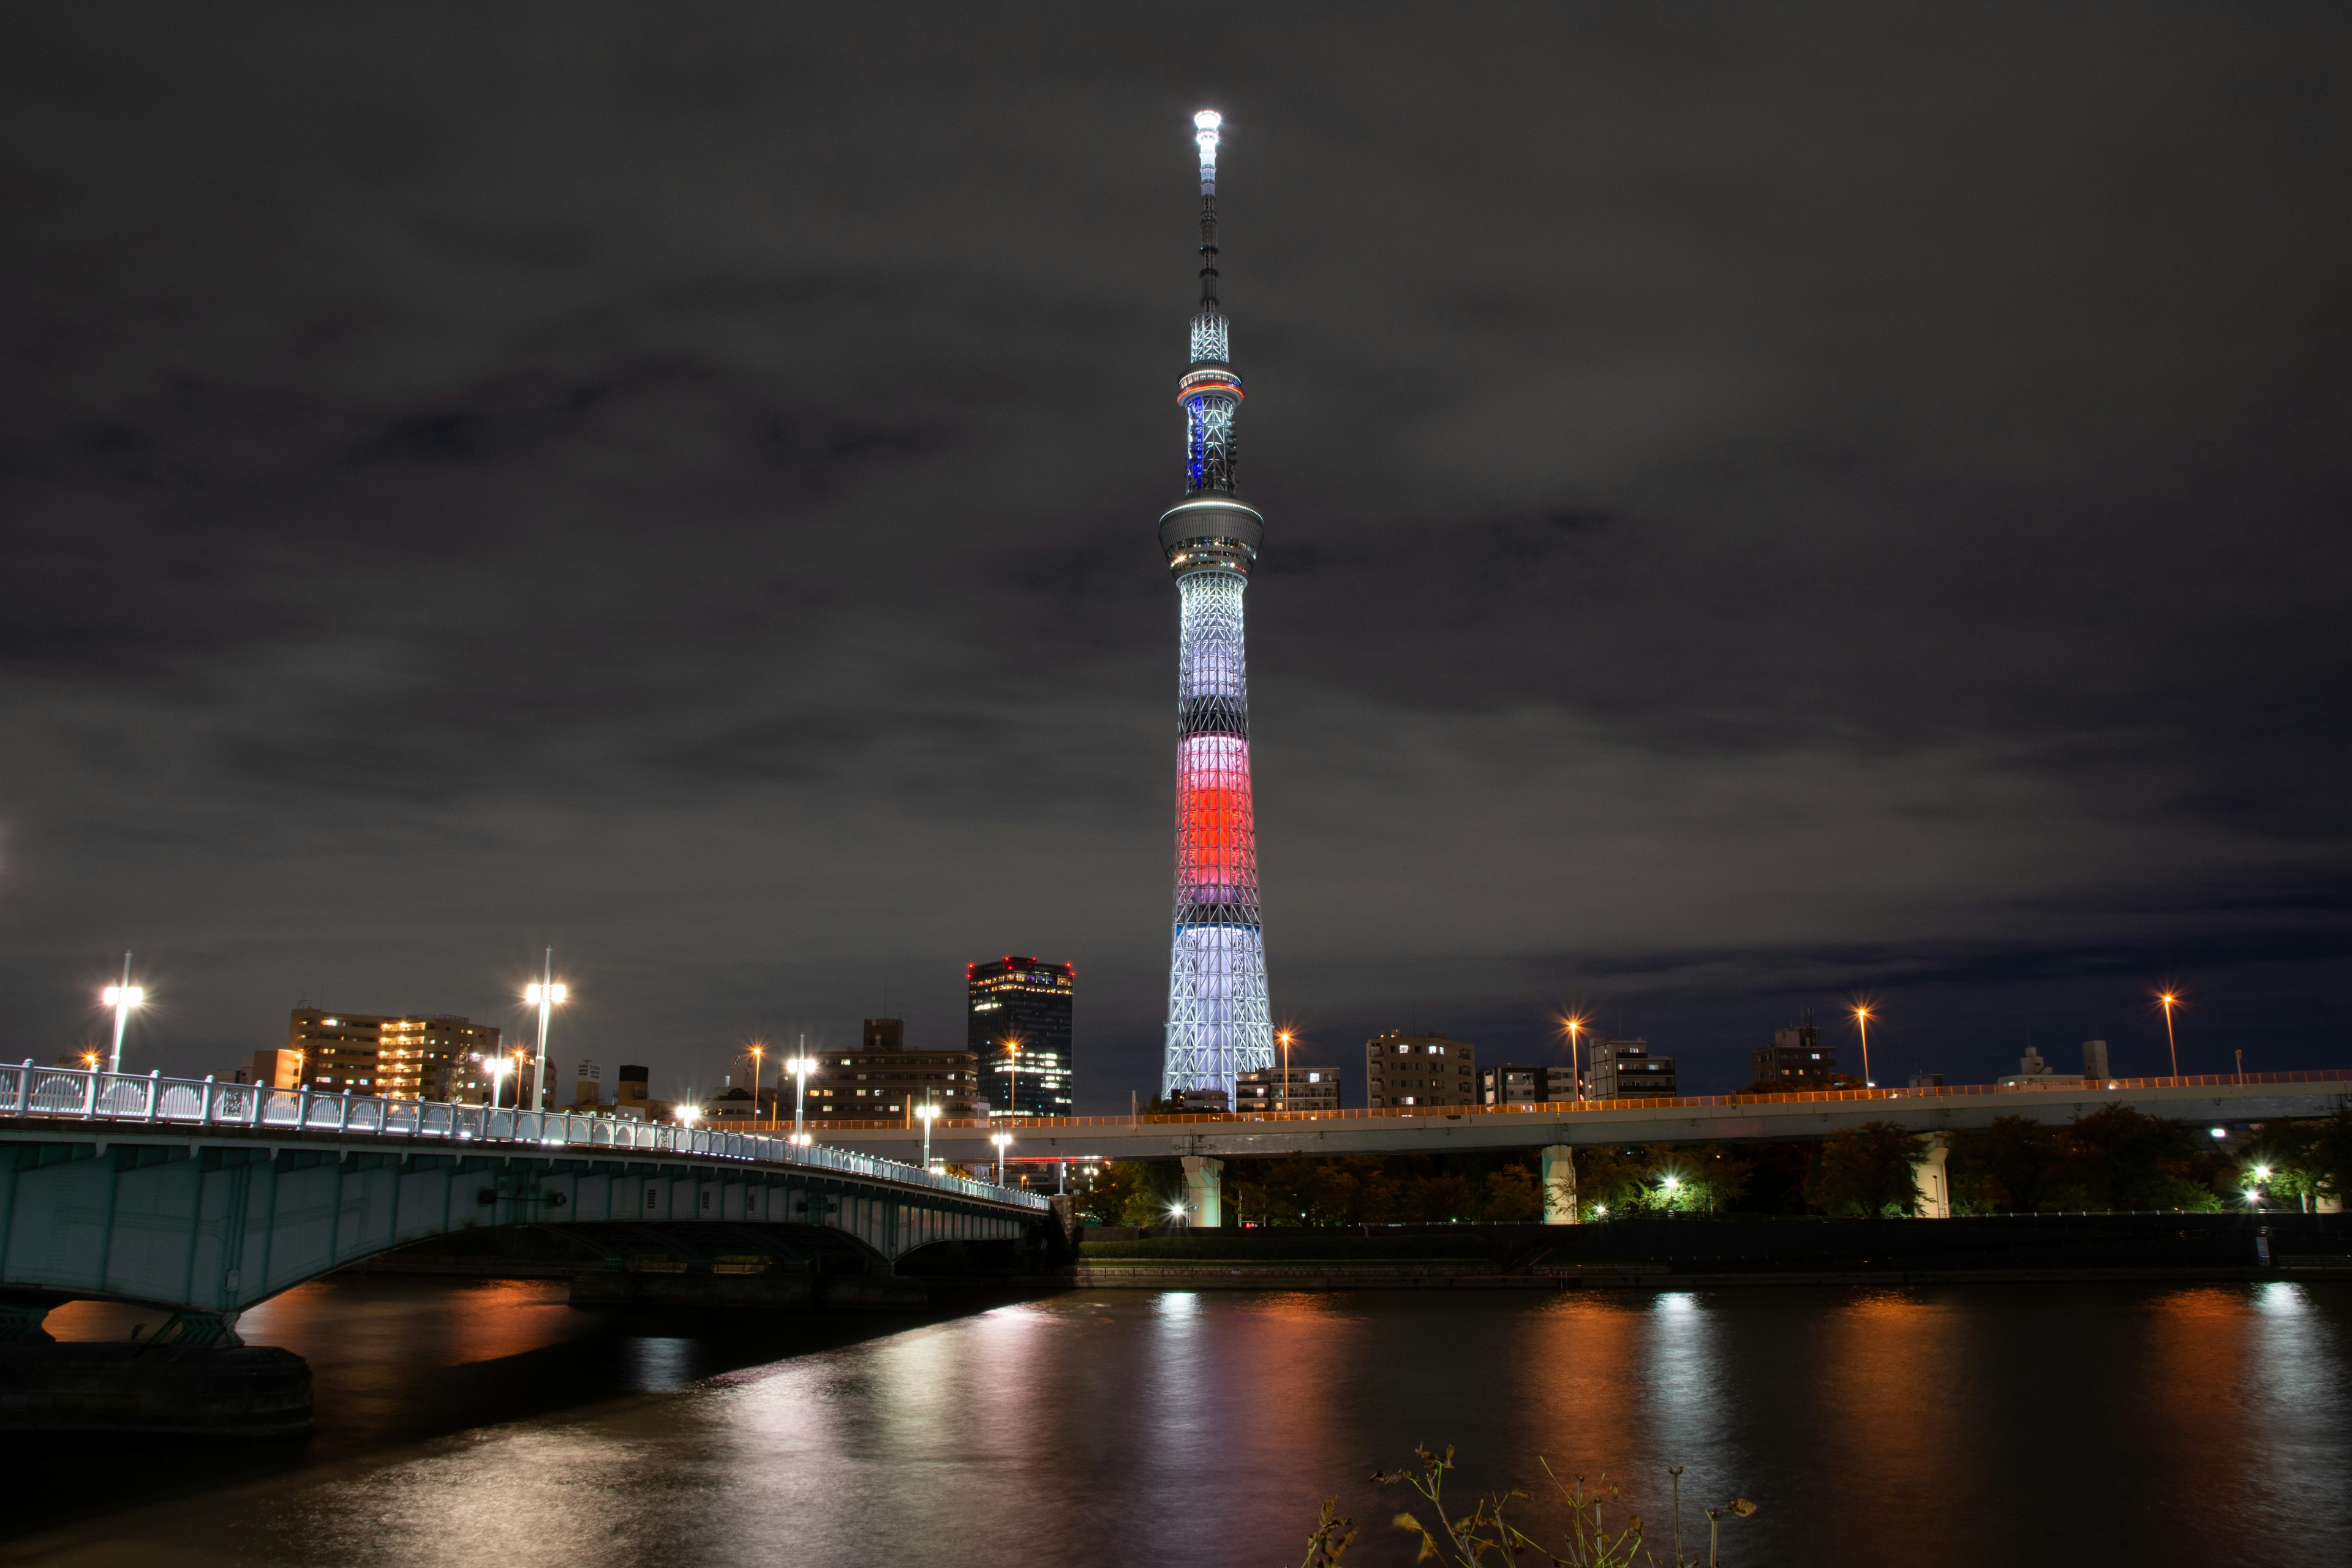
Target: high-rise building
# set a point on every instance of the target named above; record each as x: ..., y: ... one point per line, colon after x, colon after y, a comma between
x: 1308, y: 1089
x: 1218, y: 1022
x: 405, y: 1056
x: 1796, y: 1056
x: 1515, y: 1083
x: 1018, y: 1025
x: 1419, y: 1069
x: 1624, y: 1069
x: 884, y: 1081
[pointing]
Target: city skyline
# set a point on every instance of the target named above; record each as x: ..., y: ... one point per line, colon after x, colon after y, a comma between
x: 1748, y: 533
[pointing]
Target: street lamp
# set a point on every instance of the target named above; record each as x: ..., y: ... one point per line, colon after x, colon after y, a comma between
x: 1001, y: 1141
x: 121, y: 998
x: 927, y: 1113
x: 544, y: 994
x: 2168, y: 1000
x: 1013, y: 1075
x: 688, y: 1115
x: 1862, y: 1022
x: 758, y: 1050
x: 1575, y: 1026
x: 1285, y: 1038
x: 800, y: 1067
x: 497, y: 1066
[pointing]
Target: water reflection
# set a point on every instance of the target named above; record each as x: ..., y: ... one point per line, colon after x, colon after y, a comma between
x: 1929, y: 1427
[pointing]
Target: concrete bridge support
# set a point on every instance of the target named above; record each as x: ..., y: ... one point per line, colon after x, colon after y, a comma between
x: 1559, y: 1176
x: 1204, y: 1190
x: 1933, y: 1180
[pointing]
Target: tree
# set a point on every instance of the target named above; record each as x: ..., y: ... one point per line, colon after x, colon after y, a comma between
x: 1511, y: 1195
x: 1869, y: 1169
x: 2126, y: 1159
x: 2014, y: 1166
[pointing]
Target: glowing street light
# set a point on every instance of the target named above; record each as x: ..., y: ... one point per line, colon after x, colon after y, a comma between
x: 497, y: 1067
x: 1002, y: 1140
x: 1862, y: 1021
x: 800, y: 1067
x: 758, y: 1050
x: 688, y: 1115
x: 1012, y: 1075
x: 1574, y: 1024
x: 2261, y: 1173
x: 927, y: 1113
x: 2168, y: 1000
x: 1284, y: 1038
x: 123, y: 998
x: 544, y: 994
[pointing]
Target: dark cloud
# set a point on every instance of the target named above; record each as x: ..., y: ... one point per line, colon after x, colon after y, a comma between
x: 1761, y: 505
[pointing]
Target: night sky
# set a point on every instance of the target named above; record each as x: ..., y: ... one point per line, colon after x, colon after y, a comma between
x: 1762, y: 505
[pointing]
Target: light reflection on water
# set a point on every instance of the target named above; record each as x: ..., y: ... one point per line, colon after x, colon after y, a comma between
x: 1935, y: 1426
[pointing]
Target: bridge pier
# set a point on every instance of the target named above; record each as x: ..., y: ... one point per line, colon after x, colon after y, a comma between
x: 1559, y: 1176
x: 1204, y: 1190
x: 1934, y: 1182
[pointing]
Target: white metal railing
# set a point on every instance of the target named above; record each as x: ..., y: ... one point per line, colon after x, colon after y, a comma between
x: 89, y: 1094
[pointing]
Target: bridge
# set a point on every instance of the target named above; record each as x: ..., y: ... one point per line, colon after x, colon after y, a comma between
x: 1203, y: 1142
x: 208, y: 1197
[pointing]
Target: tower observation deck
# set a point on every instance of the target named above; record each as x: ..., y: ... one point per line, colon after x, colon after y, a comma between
x: 1218, y: 1023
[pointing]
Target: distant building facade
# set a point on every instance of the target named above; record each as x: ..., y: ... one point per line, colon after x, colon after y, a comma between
x: 1511, y: 1083
x: 1796, y: 1057
x: 1624, y: 1069
x: 1018, y: 1023
x: 397, y: 1057
x: 1308, y: 1089
x: 1418, y: 1069
x: 884, y: 1081
x: 1199, y: 1102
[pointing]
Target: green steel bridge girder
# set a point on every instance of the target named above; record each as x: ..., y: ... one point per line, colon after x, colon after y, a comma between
x: 194, y: 1222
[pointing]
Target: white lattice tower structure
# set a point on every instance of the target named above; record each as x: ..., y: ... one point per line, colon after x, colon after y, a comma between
x: 1218, y: 1023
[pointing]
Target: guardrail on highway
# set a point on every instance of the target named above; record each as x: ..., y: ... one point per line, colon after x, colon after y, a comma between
x: 92, y: 1094
x: 1578, y: 1107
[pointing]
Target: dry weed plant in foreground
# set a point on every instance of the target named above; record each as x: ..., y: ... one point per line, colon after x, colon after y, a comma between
x: 1484, y: 1535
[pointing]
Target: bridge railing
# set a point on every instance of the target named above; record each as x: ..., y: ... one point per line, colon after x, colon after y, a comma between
x: 94, y: 1095
x: 1583, y: 1107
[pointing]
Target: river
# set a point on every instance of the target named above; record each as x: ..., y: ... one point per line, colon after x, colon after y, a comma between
x: 489, y: 1424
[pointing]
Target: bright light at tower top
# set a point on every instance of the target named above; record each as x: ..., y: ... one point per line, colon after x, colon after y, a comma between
x: 1205, y: 124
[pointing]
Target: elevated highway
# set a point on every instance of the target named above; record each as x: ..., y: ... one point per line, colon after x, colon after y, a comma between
x: 209, y: 1197
x: 2258, y: 1097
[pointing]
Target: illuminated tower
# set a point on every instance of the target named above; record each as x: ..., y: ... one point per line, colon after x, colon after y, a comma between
x: 1217, y: 1020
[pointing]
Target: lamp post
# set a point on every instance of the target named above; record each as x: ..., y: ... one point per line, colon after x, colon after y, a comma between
x: 1012, y: 1077
x: 927, y: 1113
x: 800, y: 1067
x: 121, y: 998
x: 1285, y: 1038
x: 497, y: 1067
x: 1002, y: 1140
x: 757, y: 1051
x: 1862, y: 1022
x: 2168, y: 1000
x: 1575, y: 1026
x: 544, y: 994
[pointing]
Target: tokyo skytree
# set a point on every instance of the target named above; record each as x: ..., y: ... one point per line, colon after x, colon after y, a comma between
x: 1218, y: 1024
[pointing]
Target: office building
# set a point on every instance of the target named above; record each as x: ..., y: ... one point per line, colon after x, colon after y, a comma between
x: 1198, y: 1103
x: 884, y: 1081
x: 1018, y: 1025
x: 1515, y: 1084
x: 1795, y: 1057
x: 1624, y: 1069
x: 1416, y: 1069
x: 1309, y: 1089
x: 407, y: 1057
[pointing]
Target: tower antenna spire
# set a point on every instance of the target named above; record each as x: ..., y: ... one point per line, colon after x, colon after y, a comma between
x: 1206, y: 126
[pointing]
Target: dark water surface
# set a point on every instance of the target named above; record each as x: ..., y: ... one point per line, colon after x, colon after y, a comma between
x: 2093, y: 1424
